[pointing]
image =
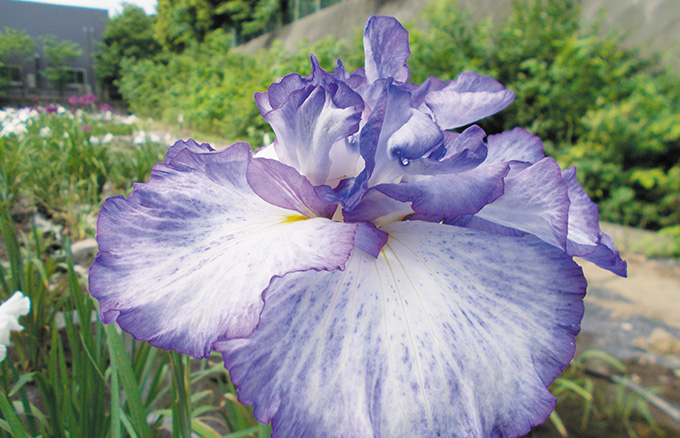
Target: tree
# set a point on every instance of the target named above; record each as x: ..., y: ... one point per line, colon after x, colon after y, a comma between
x: 129, y: 35
x: 12, y: 43
x: 59, y: 54
x: 182, y: 22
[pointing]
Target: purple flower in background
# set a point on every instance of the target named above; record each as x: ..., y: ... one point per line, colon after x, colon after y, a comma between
x: 73, y: 100
x: 372, y: 273
x: 87, y: 99
x: 105, y: 107
x: 86, y: 128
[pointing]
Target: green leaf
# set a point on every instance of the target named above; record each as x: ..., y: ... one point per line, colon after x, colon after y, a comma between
x: 128, y: 381
x: 15, y: 424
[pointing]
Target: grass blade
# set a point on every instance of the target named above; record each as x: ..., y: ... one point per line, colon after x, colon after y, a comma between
x: 15, y: 424
x: 129, y: 383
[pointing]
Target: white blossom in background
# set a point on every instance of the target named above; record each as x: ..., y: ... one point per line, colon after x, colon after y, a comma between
x: 15, y: 121
x: 10, y: 311
x: 140, y: 138
x: 107, y: 138
x: 45, y: 131
x: 129, y: 120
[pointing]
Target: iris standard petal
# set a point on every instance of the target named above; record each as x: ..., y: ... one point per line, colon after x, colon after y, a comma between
x: 535, y: 201
x: 516, y: 145
x: 386, y: 49
x: 467, y: 99
x: 184, y: 260
x: 449, y: 332
x: 307, y: 125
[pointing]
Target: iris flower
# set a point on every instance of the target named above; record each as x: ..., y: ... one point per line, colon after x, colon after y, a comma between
x: 10, y: 311
x: 372, y: 273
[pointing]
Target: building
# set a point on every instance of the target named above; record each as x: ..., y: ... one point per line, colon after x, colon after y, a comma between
x: 83, y: 26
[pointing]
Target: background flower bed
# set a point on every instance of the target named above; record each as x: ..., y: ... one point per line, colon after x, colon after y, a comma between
x: 613, y: 112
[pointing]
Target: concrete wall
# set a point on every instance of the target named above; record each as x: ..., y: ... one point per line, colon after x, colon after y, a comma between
x: 653, y: 25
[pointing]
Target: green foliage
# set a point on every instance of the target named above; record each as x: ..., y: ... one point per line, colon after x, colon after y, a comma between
x: 182, y: 23
x: 12, y: 43
x: 128, y: 35
x: 59, y: 54
x: 618, y: 408
x: 179, y: 23
x: 194, y: 84
x: 251, y: 17
x: 66, y: 374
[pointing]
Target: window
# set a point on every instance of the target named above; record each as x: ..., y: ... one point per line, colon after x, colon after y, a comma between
x: 12, y: 74
x: 76, y: 77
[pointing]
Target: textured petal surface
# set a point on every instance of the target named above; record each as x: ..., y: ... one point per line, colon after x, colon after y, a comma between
x: 449, y: 332
x: 306, y: 127
x: 386, y: 48
x: 283, y: 186
x: 185, y: 259
x: 451, y: 195
x: 467, y: 99
x: 515, y: 145
x: 584, y: 238
x: 606, y: 256
x: 535, y: 201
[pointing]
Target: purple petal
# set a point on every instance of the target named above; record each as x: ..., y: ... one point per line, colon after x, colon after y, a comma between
x: 584, y: 223
x: 606, y: 256
x: 418, y: 93
x: 370, y: 239
x: 306, y: 127
x: 449, y: 332
x: 467, y: 99
x: 477, y: 223
x: 414, y: 138
x: 515, y: 145
x: 184, y: 260
x: 378, y: 208
x: 386, y: 49
x: 190, y: 144
x: 535, y: 201
x: 453, y: 194
x: 279, y: 92
x: 584, y: 238
x: 284, y: 187
x: 459, y: 152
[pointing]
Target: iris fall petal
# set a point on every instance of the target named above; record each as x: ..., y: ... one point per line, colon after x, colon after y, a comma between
x: 166, y: 268
x: 416, y: 342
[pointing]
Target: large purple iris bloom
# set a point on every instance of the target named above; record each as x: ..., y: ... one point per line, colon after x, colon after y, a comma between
x: 371, y: 273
